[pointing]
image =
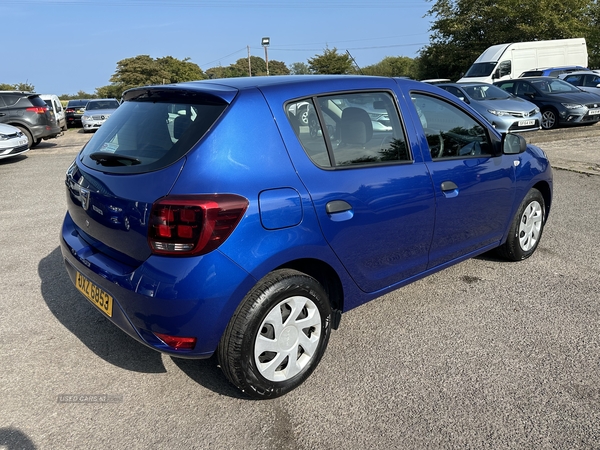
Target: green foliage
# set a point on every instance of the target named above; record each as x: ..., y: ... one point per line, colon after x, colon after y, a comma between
x: 463, y: 29
x: 393, y: 66
x: 79, y: 95
x: 240, y: 68
x: 26, y: 87
x: 330, y: 62
x: 142, y: 70
x: 299, y: 68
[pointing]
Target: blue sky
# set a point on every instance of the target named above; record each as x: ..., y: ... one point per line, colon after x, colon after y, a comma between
x: 64, y: 46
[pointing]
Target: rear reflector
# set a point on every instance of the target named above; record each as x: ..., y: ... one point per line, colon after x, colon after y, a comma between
x: 177, y: 342
x: 195, y: 224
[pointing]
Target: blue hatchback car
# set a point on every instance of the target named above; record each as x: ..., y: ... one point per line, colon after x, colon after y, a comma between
x: 209, y: 217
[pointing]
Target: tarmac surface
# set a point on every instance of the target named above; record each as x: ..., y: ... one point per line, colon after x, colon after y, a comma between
x: 576, y: 149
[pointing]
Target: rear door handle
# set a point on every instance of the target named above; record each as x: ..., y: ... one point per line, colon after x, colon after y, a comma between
x: 339, y: 210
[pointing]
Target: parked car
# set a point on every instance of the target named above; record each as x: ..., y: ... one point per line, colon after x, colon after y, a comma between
x: 74, y: 111
x: 29, y: 113
x: 552, y: 71
x: 55, y: 105
x: 202, y: 218
x: 436, y: 80
x: 560, y: 102
x: 504, y: 111
x: 586, y: 81
x: 12, y: 141
x: 96, y: 113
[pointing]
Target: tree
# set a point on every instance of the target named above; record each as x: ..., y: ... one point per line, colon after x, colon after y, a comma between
x: 463, y: 29
x: 143, y: 70
x: 330, y: 62
x: 180, y: 70
x: 240, y: 68
x: 80, y: 94
x: 299, y: 68
x: 17, y: 87
x: 393, y: 66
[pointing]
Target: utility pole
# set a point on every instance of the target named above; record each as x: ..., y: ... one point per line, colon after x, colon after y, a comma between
x: 265, y: 43
x: 249, y: 63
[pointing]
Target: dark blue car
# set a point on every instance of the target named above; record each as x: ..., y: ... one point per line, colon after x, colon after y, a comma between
x: 210, y: 217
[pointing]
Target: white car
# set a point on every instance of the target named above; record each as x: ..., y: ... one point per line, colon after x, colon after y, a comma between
x: 12, y: 141
x: 96, y: 113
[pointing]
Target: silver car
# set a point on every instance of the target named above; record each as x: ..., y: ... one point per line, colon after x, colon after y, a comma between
x: 503, y: 110
x: 12, y: 141
x: 584, y: 80
x: 96, y: 113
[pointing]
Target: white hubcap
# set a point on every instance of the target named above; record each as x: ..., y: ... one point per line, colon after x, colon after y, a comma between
x: 287, y: 339
x: 530, y: 226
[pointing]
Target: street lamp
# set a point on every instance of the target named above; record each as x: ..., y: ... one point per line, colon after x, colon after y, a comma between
x: 265, y: 43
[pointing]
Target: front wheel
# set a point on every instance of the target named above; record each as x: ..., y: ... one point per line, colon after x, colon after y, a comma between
x: 277, y: 336
x: 526, y: 228
x: 27, y: 134
x: 549, y: 119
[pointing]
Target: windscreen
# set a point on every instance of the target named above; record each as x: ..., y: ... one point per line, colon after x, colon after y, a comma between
x: 147, y: 134
x: 480, y: 70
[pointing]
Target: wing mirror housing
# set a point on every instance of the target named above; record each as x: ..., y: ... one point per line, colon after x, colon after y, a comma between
x: 513, y: 144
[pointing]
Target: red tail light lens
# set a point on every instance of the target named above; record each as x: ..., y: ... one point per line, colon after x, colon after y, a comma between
x: 193, y: 225
x: 38, y: 109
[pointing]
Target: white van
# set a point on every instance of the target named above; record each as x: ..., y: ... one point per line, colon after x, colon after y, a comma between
x: 55, y: 105
x: 506, y: 61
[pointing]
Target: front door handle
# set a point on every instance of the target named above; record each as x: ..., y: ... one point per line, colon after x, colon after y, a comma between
x: 450, y: 189
x: 449, y: 186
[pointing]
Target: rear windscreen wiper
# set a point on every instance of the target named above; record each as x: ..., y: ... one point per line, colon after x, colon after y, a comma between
x: 112, y: 159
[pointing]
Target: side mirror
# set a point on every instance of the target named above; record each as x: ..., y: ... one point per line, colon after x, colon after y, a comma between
x: 513, y: 144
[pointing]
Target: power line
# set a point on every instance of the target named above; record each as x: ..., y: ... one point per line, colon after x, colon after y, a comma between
x: 289, y: 4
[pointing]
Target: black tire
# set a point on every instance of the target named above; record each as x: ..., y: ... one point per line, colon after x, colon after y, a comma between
x: 549, y: 119
x: 285, y: 298
x: 526, y: 228
x: 36, y: 143
x: 25, y: 131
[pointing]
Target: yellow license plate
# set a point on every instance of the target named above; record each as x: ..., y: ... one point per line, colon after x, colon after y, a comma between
x: 94, y: 294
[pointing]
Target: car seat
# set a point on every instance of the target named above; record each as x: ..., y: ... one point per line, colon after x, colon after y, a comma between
x: 356, y: 127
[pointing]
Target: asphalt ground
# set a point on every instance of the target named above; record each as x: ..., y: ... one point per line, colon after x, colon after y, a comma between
x: 485, y: 355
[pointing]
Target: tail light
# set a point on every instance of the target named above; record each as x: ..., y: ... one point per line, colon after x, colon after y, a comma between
x: 193, y: 225
x: 38, y: 109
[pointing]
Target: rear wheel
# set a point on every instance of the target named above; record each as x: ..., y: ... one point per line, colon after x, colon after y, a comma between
x: 277, y: 336
x: 526, y: 228
x: 549, y: 119
x: 36, y: 142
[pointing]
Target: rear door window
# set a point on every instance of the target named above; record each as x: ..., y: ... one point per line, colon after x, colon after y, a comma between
x: 349, y: 129
x: 145, y: 135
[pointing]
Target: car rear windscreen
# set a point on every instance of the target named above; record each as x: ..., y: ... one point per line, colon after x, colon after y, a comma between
x: 148, y: 134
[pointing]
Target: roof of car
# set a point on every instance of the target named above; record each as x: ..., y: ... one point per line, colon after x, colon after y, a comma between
x: 228, y: 87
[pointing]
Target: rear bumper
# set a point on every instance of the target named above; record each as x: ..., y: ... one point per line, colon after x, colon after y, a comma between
x: 191, y: 297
